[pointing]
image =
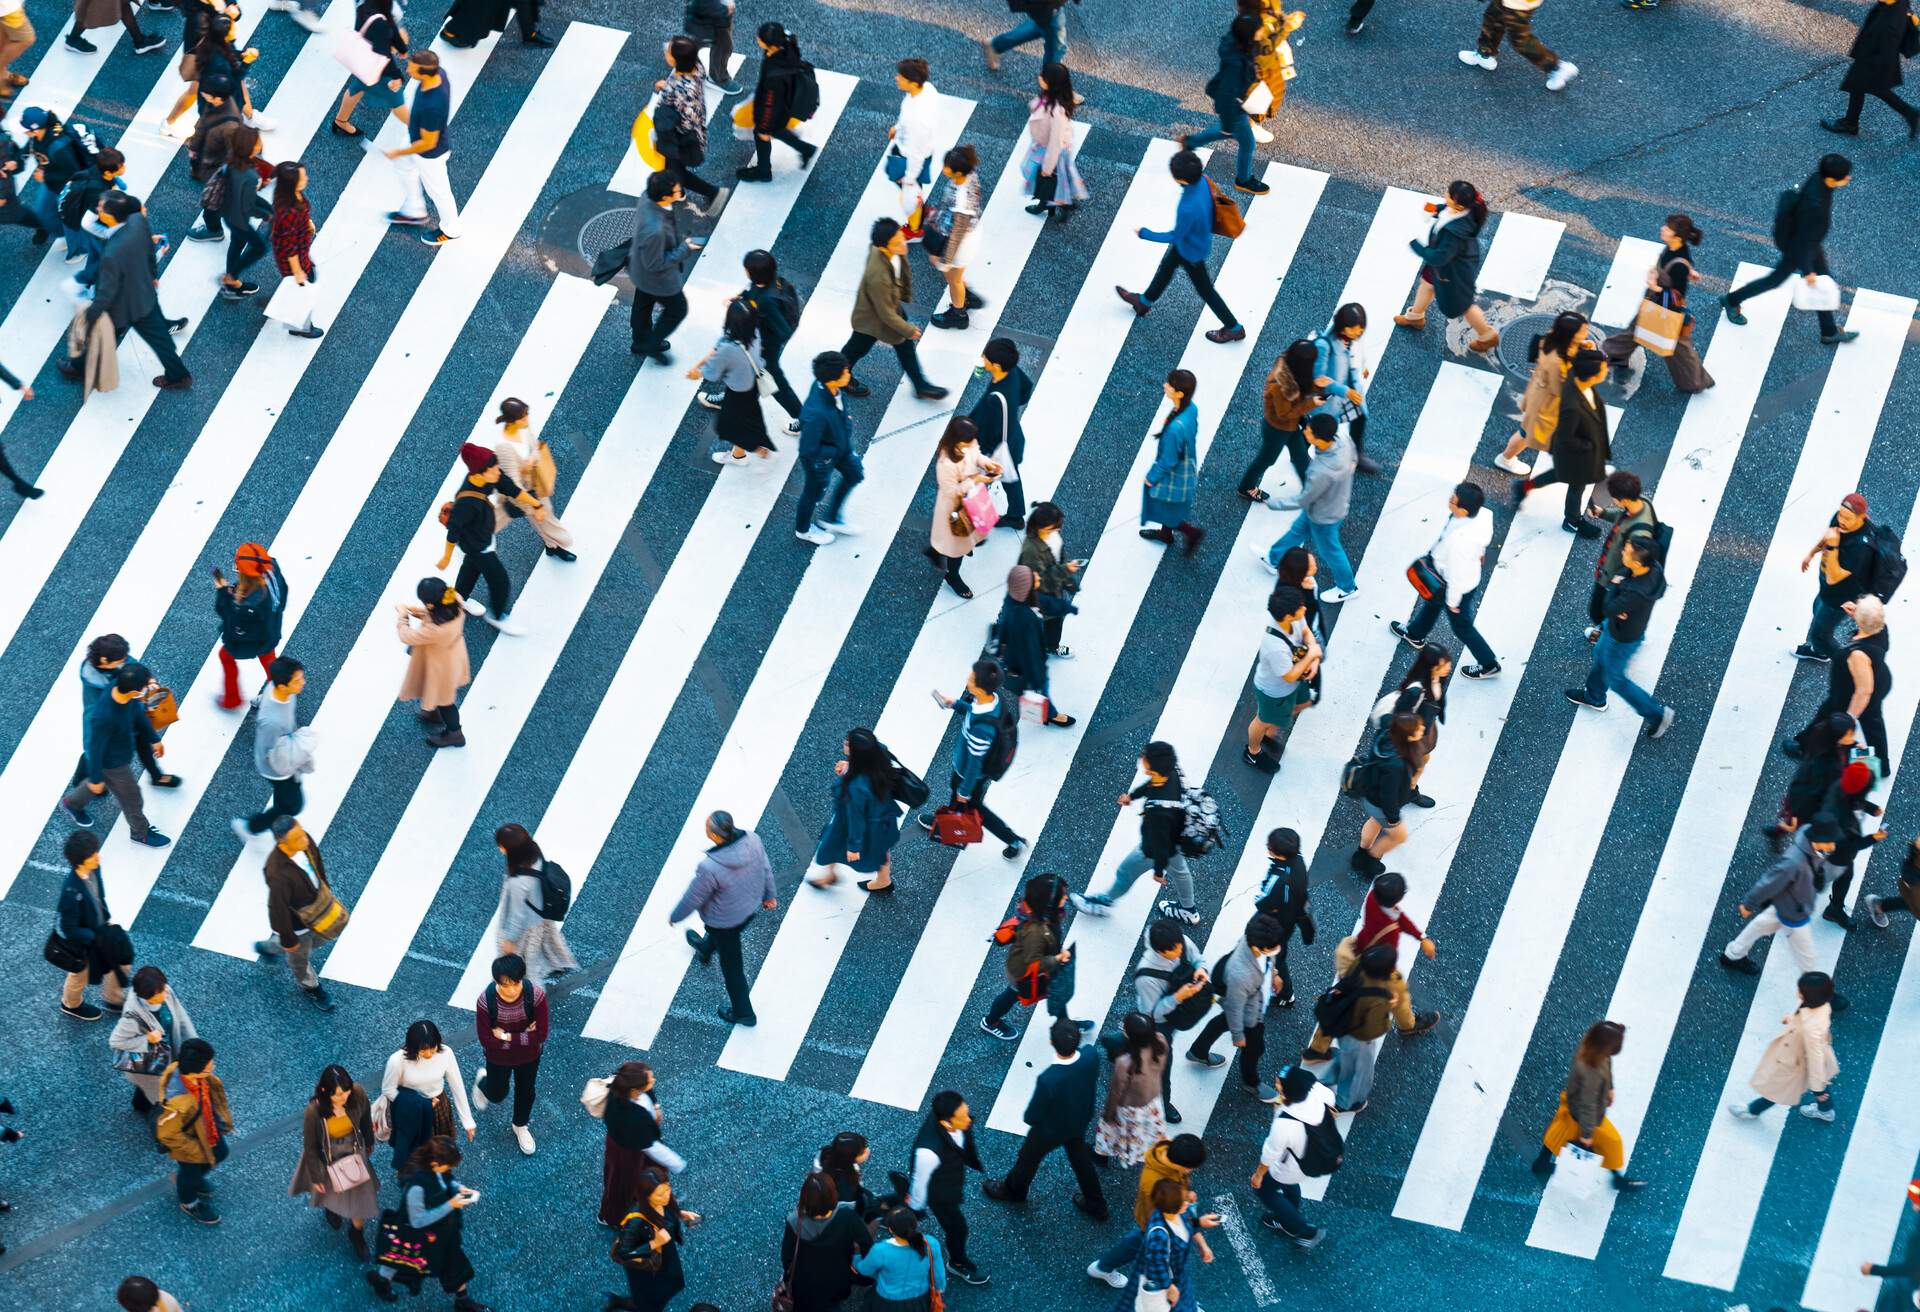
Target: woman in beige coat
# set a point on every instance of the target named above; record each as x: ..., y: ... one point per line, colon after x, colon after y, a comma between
x: 958, y: 468
x: 1800, y: 1059
x: 528, y: 461
x: 435, y: 636
x: 1540, y: 406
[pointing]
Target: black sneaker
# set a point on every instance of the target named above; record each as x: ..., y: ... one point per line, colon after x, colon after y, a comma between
x: 857, y: 389
x: 1732, y: 313
x: 1356, y: 27
x: 319, y: 997
x: 1400, y: 632
x: 238, y: 291
x: 951, y: 318
x: 1806, y: 651
x: 969, y: 1275
x: 1578, y: 696
x: 1260, y: 761
x: 202, y: 1211
x: 200, y: 232
x: 1013, y: 850
x: 1839, y: 915
x: 150, y: 45
x: 85, y: 1011
x: 1252, y: 186
x: 77, y: 42
x: 1421, y: 800
x: 999, y: 1029
x: 1744, y: 965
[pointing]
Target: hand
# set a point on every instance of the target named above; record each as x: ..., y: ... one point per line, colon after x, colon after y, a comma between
x: 394, y: 153
x: 1065, y: 956
x: 1879, y: 835
x: 1073, y: 566
x: 26, y: 392
x: 692, y: 1218
x: 248, y: 55
x: 1126, y: 799
x: 660, y: 1239
x: 840, y: 768
x: 96, y: 789
x: 502, y: 1035
x: 1812, y: 278
x: 1259, y: 1175
x: 154, y: 1036
x: 913, y: 334
x: 1426, y: 946
x: 1240, y: 1043
x: 1866, y: 1268
x: 469, y: 1134
x: 1139, y: 232
x: 1354, y: 396
x: 853, y: 856
x: 1209, y: 1220
x: 319, y: 1188
x: 770, y: 904
x: 1744, y: 913
x: 1585, y: 1143
x: 159, y: 749
x: 694, y: 373
x: 889, y: 134
x: 539, y: 512
x: 461, y: 1201
x: 1323, y: 383
x: 1173, y: 1295
x: 961, y: 799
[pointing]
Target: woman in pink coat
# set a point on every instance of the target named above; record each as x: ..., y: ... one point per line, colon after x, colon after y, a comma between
x: 435, y: 636
x: 958, y: 469
x: 1800, y: 1059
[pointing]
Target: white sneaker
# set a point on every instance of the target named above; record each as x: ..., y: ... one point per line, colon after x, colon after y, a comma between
x: 1740, y: 1111
x: 309, y: 21
x: 818, y: 536
x: 525, y: 1138
x: 472, y: 607
x: 505, y: 624
x: 728, y: 458
x: 1086, y: 905
x: 1260, y: 554
x: 793, y: 428
x: 1563, y: 73
x: 1334, y: 596
x: 240, y: 830
x: 840, y: 526
x: 478, y: 1095
x: 1113, y: 1279
x: 1814, y: 1111
x: 1513, y: 465
x: 1261, y: 135
x: 261, y: 123
x: 1479, y: 60
x: 1876, y: 912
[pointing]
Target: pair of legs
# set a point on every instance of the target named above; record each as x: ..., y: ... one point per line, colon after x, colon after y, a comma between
x: 299, y: 962
x: 725, y: 944
x: 494, y: 1080
x: 1516, y: 27
x: 190, y: 1188
x: 20, y: 485
x: 761, y: 170
x: 814, y: 485
x: 1427, y: 612
x: 1574, y: 508
x: 1766, y: 922
x: 244, y: 246
x: 287, y: 800
x: 1273, y: 717
x: 650, y: 332
x: 1609, y: 672
x: 79, y: 42
x: 692, y: 183
x: 1253, y: 1046
x: 119, y: 781
x: 73, y: 990
x: 1233, y: 123
x: 1857, y: 100
x: 1058, y: 997
x: 1051, y: 33
x: 1377, y: 837
x: 858, y: 344
x: 1178, y: 879
x: 387, y: 96
x: 1034, y: 1149
x: 153, y: 329
x: 989, y: 821
x: 423, y: 179
x: 1820, y: 629
x: 1779, y: 274
x: 1282, y: 1202
x: 1321, y: 539
x: 1272, y: 442
x: 1474, y: 315
x: 499, y: 586
x: 1196, y: 271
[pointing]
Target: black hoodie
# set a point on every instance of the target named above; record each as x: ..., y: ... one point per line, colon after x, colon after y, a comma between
x: 1630, y: 603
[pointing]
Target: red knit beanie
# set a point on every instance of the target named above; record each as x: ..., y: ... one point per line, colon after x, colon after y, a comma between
x: 476, y: 457
x: 252, y: 559
x: 1856, y: 778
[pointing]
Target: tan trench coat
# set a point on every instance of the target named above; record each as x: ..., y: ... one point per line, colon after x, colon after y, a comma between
x: 437, y: 664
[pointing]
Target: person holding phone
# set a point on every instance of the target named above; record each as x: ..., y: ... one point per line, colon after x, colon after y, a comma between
x: 657, y: 261
x: 434, y: 1201
x: 1055, y: 578
x: 251, y: 608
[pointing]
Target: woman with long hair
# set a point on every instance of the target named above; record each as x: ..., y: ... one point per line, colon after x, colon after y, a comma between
x: 1450, y: 265
x: 822, y: 1236
x: 841, y: 1157
x: 434, y: 633
x: 735, y: 364
x: 524, y: 930
x: 528, y: 462
x: 633, y: 1117
x: 1423, y: 692
x: 1134, y: 1118
x: 291, y: 229
x: 1051, y: 170
x: 434, y: 1201
x: 1288, y: 397
x: 1582, y: 1117
x: 1167, y: 497
x: 958, y: 468
x: 335, y: 1169
x: 1667, y: 284
x: 1800, y: 1059
x: 648, y: 1245
x: 866, y: 816
x: 424, y: 1091
x: 1553, y: 354
x: 1055, y: 578
x: 1386, y: 788
x: 907, y: 1265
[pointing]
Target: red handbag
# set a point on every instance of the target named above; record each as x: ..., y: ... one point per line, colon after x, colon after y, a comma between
x: 957, y: 826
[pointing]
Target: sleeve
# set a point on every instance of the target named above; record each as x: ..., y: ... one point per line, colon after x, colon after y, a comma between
x: 1166, y: 452
x: 94, y: 744
x: 767, y: 890
x: 924, y: 1161
x: 488, y: 1044
x: 536, y: 1034
x: 419, y: 1215
x: 648, y: 250
x: 693, y: 899
x: 975, y: 741
x: 7, y: 377
x: 1059, y: 128
x: 129, y: 1032
x: 516, y: 910
x: 390, y: 1078
x: 457, y: 1088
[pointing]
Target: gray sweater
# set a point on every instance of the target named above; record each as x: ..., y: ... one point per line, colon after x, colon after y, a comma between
x: 659, y: 255
x: 272, y: 721
x: 732, y: 365
x: 1323, y: 496
x: 729, y: 885
x: 1152, y: 991
x: 1248, y: 981
x: 1790, y: 882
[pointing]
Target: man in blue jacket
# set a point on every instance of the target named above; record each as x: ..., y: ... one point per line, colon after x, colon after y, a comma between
x: 1057, y: 1116
x: 1189, y: 242
x: 115, y: 726
x: 826, y: 444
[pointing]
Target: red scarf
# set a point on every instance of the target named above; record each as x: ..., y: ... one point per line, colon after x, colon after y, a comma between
x: 202, y: 1089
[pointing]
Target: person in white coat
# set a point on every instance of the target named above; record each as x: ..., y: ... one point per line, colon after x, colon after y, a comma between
x: 914, y: 136
x: 1800, y: 1059
x: 1458, y: 556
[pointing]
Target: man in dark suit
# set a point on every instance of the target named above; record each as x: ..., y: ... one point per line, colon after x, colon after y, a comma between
x: 1057, y: 1117
x: 1801, y: 235
x: 125, y: 290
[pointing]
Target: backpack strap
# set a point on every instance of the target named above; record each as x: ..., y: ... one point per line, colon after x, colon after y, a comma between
x: 1392, y: 927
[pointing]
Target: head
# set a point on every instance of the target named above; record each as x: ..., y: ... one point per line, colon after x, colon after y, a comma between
x: 1567, y: 336
x: 663, y: 189
x: 830, y: 370
x: 289, y: 182
x: 1430, y: 667
x: 287, y: 675
x: 959, y: 438
x: 773, y: 38
x: 950, y: 1110
x: 289, y: 836
x: 513, y: 413
x: 742, y: 322
x: 1159, y: 759
x: 150, y: 985
x: 1640, y: 553
x: 423, y: 1040
x: 869, y: 759
x: 1264, y: 935
x: 1852, y: 512
x: 1377, y: 962
x: 1179, y: 388
x: 1045, y: 897
x: 482, y: 465
x: 424, y: 65
x: 960, y: 163
x: 630, y: 1078
x: 844, y: 1152
x: 1322, y: 430
x: 1835, y: 170
x: 1056, y: 87
x: 1282, y: 845
x: 683, y: 55
x: 887, y: 236
x: 111, y: 162
x: 196, y: 1057
x: 109, y: 651
x: 1623, y: 485
x: 130, y: 680
x: 903, y: 1225
x: 1243, y: 29
x: 1136, y: 1028
x: 1297, y: 566
x: 1186, y: 167
x: 1465, y: 198
x: 244, y: 146
x: 1169, y: 1195
x: 1350, y: 321
x: 442, y: 603
x: 1602, y: 1041
x: 1295, y: 1084
x: 984, y: 679
x: 1589, y: 367
x: 1857, y: 779
x: 1388, y: 889
x: 82, y: 851
x: 1166, y: 937
x: 509, y: 976
x: 1064, y: 1037
x: 333, y: 1086
x: 1467, y: 499
x: 1405, y: 733
x: 1680, y: 230
x: 138, y: 1294
x: 818, y: 1195
x: 912, y: 76
x: 1187, y: 1151
x: 1044, y: 520
x: 1020, y: 583
x: 439, y: 1154
x: 116, y: 207
x: 1287, y: 605
x: 1869, y: 615
x: 1000, y: 357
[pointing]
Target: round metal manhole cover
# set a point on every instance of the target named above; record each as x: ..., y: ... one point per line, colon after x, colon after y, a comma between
x: 604, y: 231
x: 1516, y: 337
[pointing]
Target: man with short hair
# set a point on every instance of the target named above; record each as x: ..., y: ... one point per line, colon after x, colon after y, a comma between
x: 423, y: 160
x: 1630, y: 514
x: 195, y: 1126
x: 470, y: 527
x: 80, y: 916
x: 1459, y: 556
x: 996, y: 417
x: 657, y: 260
x: 511, y: 1017
x: 1322, y: 500
x: 124, y: 292
x: 1846, y: 555
x: 296, y: 877
x: 274, y: 720
x: 885, y: 287
x: 1164, y: 984
x: 115, y: 726
x: 1630, y: 600
x: 1247, y: 984
x: 1189, y: 242
x: 982, y: 720
x: 1301, y: 1102
x: 826, y: 445
x: 732, y: 884
x: 1057, y: 1116
x: 1800, y: 234
x: 1283, y: 673
x: 943, y: 1152
x: 1283, y: 895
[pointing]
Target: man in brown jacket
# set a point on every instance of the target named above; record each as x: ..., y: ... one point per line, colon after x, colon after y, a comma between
x: 295, y: 876
x: 194, y: 1126
x: 1170, y: 1159
x: 886, y: 287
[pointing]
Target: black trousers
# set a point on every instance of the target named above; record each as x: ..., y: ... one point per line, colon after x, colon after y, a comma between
x: 650, y: 334
x: 1034, y: 1149
x: 690, y: 182
x: 1196, y: 271
x: 954, y: 1226
x: 860, y: 343
x: 287, y: 800
x: 1360, y: 10
x: 151, y: 328
x: 1857, y: 101
x: 1250, y: 1053
x: 12, y: 475
x: 1766, y: 282
x: 763, y: 148
x: 244, y: 246
x: 988, y: 820
x: 725, y: 944
x: 499, y: 586
x: 1575, y: 506
x: 783, y: 395
x: 1272, y: 442
x: 494, y: 1085
x: 813, y: 485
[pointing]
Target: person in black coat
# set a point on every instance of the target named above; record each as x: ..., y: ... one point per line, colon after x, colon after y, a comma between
x: 1800, y: 234
x: 818, y: 1244
x: 710, y: 22
x: 1581, y: 446
x: 773, y: 96
x: 1889, y: 32
x: 470, y: 20
x: 1023, y: 643
x: 1057, y: 1116
x: 1283, y: 895
x: 1228, y: 88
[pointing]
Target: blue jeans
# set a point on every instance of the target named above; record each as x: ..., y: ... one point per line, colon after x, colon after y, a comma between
x: 1233, y: 123
x: 1820, y: 631
x: 1427, y: 613
x: 1321, y: 539
x: 1609, y: 670
x: 1053, y: 37
x: 1124, y: 1251
x: 1282, y: 1202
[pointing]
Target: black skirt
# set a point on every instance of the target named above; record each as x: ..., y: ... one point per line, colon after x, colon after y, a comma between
x: 741, y: 422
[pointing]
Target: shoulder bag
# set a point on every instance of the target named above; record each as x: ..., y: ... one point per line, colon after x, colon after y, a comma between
x: 154, y: 1059
x: 1426, y: 580
x: 359, y: 57
x: 346, y: 1173
x: 325, y: 916
x: 594, y: 1096
x: 163, y: 708
x: 62, y: 955
x: 1227, y: 219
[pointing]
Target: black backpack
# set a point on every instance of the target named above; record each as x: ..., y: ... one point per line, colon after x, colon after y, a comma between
x: 1217, y: 981
x: 556, y: 891
x: 806, y: 93
x: 493, y: 1006
x: 909, y: 789
x: 1783, y: 217
x: 1191, y: 1012
x: 1006, y: 741
x: 1325, y: 1149
x: 1889, y: 566
x: 1659, y: 533
x: 1333, y: 1010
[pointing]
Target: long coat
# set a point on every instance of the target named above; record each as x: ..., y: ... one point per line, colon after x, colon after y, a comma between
x: 861, y: 822
x: 1452, y: 263
x: 311, y: 1170
x: 883, y: 290
x: 1799, y: 1059
x: 954, y: 478
x: 1540, y: 406
x: 437, y: 661
x: 1876, y: 47
x: 1580, y: 447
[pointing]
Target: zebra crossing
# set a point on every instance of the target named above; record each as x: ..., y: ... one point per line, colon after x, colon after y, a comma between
x: 419, y: 864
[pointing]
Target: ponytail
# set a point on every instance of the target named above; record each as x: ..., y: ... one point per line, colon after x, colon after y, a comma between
x: 1468, y: 197
x: 905, y: 1225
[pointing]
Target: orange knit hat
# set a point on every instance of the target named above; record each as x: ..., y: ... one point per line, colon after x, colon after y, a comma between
x: 252, y: 559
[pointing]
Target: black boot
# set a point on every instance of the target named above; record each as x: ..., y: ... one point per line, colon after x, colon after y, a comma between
x: 1543, y: 1164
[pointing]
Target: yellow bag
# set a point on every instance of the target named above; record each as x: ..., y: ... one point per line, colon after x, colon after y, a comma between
x: 325, y: 915
x: 1658, y: 328
x: 743, y: 121
x: 643, y: 142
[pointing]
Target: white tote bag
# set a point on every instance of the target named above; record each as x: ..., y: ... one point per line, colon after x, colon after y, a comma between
x: 1823, y: 293
x: 293, y: 303
x: 360, y: 58
x: 594, y: 1096
x: 1580, y: 1171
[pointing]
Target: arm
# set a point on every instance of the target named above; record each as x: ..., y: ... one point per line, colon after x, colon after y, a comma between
x: 698, y: 893
x: 390, y: 1078
x: 973, y: 759
x: 457, y: 1090
x: 419, y: 1215
x: 1861, y: 668
x: 536, y: 1033
x: 924, y: 1160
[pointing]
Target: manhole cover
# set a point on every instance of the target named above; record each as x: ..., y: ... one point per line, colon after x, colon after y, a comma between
x: 1515, y: 339
x: 604, y: 231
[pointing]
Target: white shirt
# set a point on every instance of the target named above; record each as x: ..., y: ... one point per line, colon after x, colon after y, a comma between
x: 1287, y: 1138
x: 1460, y: 552
x: 430, y: 1078
x: 1276, y: 658
x: 924, y: 1162
x: 913, y: 131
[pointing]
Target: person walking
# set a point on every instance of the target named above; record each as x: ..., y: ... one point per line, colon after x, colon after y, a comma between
x: 865, y: 823
x: 783, y: 75
x: 423, y: 160
x: 1906, y: 898
x: 153, y: 1024
x: 1160, y: 791
x: 1889, y: 34
x: 914, y: 137
x: 1287, y: 398
x: 959, y: 470
x: 943, y: 1152
x: 434, y: 1202
x: 534, y: 888
x: 22, y: 488
x: 1801, y: 220
x: 1356, y: 1046
x: 1302, y: 1125
x: 1341, y: 373
x: 1057, y: 1116
x: 886, y: 286
x: 1552, y: 353
x: 1051, y: 170
x: 423, y: 1092
x: 826, y: 447
x: 81, y: 197
x: 1171, y: 988
x: 1055, y: 578
x: 1283, y: 672
x: 511, y: 1020
x: 777, y: 307
x: 469, y: 21
x: 1321, y: 503
x: 116, y: 725
x: 1581, y: 446
x: 1422, y: 691
x: 996, y: 420
x: 527, y: 462
x: 1045, y: 22
x: 1848, y: 561
x: 291, y: 229
x: 1386, y: 789
x: 841, y: 1159
x: 1166, y: 497
x: 1134, y: 1117
x: 1631, y: 515
x: 1171, y: 1161
x: 710, y: 22
x: 1283, y: 895
x: 1022, y: 630
x: 195, y: 1126
x: 1630, y: 602
x: 657, y: 260
x: 1231, y: 88
x: 251, y: 607
x: 1450, y: 261
x: 1459, y: 557
x: 958, y: 236
x: 1298, y: 569
x: 823, y: 1235
x: 16, y: 38
x: 1667, y: 285
x: 237, y: 186
x: 379, y: 26
x: 1273, y: 61
x: 633, y: 1140
x: 1383, y: 923
x: 139, y: 1294
x: 680, y: 126
x: 1171, y: 1236
x: 734, y: 365
x: 106, y: 656
x: 126, y: 293
x: 1189, y: 242
x: 1512, y: 20
x: 335, y: 1170
x: 907, y: 1267
x: 1849, y: 804
x: 1782, y: 900
x: 302, y: 910
x: 1037, y: 966
x: 1246, y: 983
x: 433, y: 633
x: 471, y: 520
x: 987, y: 718
x: 648, y: 1246
x: 1584, y: 1099
x: 1822, y: 752
x: 732, y: 883
x: 279, y: 751
x: 79, y: 918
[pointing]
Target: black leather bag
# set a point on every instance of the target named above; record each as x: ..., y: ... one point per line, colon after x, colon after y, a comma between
x: 62, y: 955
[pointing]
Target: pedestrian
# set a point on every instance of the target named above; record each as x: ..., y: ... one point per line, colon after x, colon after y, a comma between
x: 1038, y: 968
x: 1801, y: 220
x: 422, y: 1089
x: 1045, y: 22
x: 335, y: 1169
x: 840, y: 1159
x: 106, y: 655
x: 526, y: 461
x: 657, y: 261
x: 957, y: 235
x: 1161, y: 792
x: 1134, y: 1118
x: 116, y: 726
x: 907, y: 1267
x: 1667, y: 286
x: 1848, y: 563
x: 1172, y: 989
x: 139, y: 1294
x: 1422, y: 691
x: 680, y: 126
x: 1061, y: 1108
x: 423, y: 161
x: 943, y: 1152
x: 1906, y: 899
x: 1051, y: 170
x: 1630, y: 516
x: 633, y: 1140
x: 279, y: 749
x: 1584, y: 1099
x: 1283, y: 895
x: 778, y: 306
x: 959, y: 470
x: 886, y: 286
x: 1513, y: 20
x: 535, y: 887
x: 1189, y: 242
x: 216, y: 98
x: 22, y: 488
x: 1340, y: 375
x: 251, y: 608
x: 865, y: 823
x: 1850, y: 805
x: 379, y: 26
x: 914, y: 137
x: 302, y: 910
x: 826, y: 447
x: 1385, y: 786
x: 1322, y: 501
x: 195, y: 1126
x: 1055, y: 578
x: 1907, y: 1270
x: 1246, y: 983
x: 237, y: 186
x: 219, y: 67
x: 153, y: 1024
x: 1173, y: 1160
x: 996, y: 420
x: 1383, y: 923
x: 1286, y: 399
x: 16, y: 38
x: 818, y: 1244
x: 511, y: 1019
x: 1458, y: 556
x: 1172, y: 1235
x: 1299, y: 569
x: 1551, y: 354
x: 1273, y: 62
x: 1630, y: 602
x: 1288, y: 659
x: 433, y: 1202
x: 472, y: 519
x: 732, y: 883
x: 1450, y: 260
x: 1581, y: 446
x: 1782, y: 901
x: 1303, y: 1128
x: 468, y: 21
x: 1822, y: 751
x: 648, y: 1246
x: 81, y: 196
x: 1889, y: 34
x: 710, y: 22
x: 437, y: 668
x: 1368, y: 1018
x: 987, y: 720
x: 1021, y: 629
x: 783, y: 74
x: 291, y: 230
x: 126, y: 295
x: 734, y: 364
x: 1166, y: 497
x: 1231, y: 89
x: 58, y: 157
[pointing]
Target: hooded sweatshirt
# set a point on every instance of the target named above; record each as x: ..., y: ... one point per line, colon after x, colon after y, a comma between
x: 1323, y: 497
x: 1791, y: 881
x: 1158, y: 1166
x: 1630, y: 603
x: 729, y: 884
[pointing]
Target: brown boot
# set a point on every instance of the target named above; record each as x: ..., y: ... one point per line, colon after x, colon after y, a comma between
x: 447, y: 738
x: 1411, y: 320
x: 1484, y: 344
x: 1192, y: 534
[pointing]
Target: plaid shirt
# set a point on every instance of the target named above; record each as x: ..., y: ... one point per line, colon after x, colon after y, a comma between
x: 1163, y: 1254
x: 292, y: 233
